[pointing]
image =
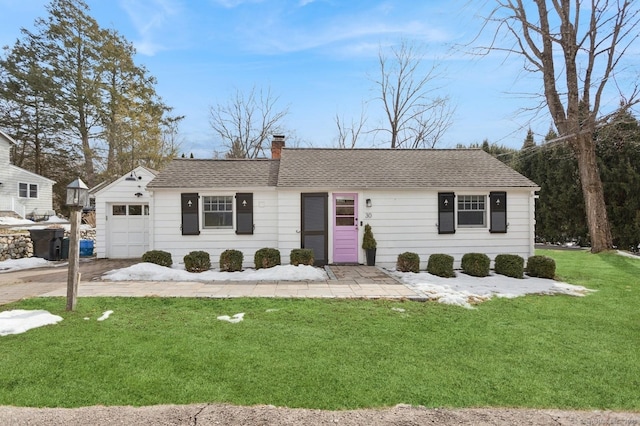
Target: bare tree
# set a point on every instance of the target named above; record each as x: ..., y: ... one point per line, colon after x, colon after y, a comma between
x: 577, y: 47
x: 416, y: 116
x: 348, y: 134
x: 246, y: 122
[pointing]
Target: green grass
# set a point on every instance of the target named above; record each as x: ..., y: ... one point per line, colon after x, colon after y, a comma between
x: 534, y: 351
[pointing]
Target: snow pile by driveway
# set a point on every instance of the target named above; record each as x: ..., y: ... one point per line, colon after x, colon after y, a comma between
x: 19, y: 320
x: 152, y: 272
x: 24, y: 263
x: 466, y: 290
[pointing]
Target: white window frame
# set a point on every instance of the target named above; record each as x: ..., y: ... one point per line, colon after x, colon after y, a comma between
x: 28, y: 188
x: 472, y: 203
x: 229, y: 210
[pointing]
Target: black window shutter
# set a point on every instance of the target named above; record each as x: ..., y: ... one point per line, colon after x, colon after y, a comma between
x: 498, y: 202
x: 244, y: 213
x: 446, y: 213
x: 190, y: 221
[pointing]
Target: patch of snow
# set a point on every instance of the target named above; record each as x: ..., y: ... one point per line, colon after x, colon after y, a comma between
x: 56, y: 219
x: 234, y: 319
x: 152, y: 272
x: 628, y: 254
x: 19, y: 320
x: 24, y: 263
x: 466, y: 290
x: 105, y: 315
x: 12, y: 221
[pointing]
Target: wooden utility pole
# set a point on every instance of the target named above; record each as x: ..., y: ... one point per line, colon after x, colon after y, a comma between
x: 74, y: 258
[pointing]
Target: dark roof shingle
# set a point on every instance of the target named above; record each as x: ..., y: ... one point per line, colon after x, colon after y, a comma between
x: 395, y: 168
x: 228, y: 173
x: 341, y: 168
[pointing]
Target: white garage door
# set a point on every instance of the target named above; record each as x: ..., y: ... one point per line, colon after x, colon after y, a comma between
x: 128, y: 230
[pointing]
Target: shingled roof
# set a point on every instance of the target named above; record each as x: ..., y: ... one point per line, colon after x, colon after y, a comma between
x: 197, y: 173
x: 395, y: 168
x: 341, y: 168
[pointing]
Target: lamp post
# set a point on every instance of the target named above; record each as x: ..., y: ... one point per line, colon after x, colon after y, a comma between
x: 77, y: 198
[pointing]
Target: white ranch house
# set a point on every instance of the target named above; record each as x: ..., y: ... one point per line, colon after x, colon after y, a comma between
x: 22, y: 193
x: 423, y: 201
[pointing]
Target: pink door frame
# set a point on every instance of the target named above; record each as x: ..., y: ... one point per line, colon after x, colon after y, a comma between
x: 345, y: 228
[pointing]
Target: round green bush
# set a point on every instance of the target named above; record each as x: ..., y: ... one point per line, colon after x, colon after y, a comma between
x: 408, y: 262
x: 301, y: 257
x: 541, y: 266
x: 158, y: 257
x: 476, y: 264
x: 441, y: 265
x: 510, y: 265
x: 231, y: 260
x: 197, y: 261
x: 267, y: 258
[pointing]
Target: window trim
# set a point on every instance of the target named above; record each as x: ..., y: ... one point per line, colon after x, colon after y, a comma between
x: 229, y: 201
x: 461, y: 199
x: 29, y: 187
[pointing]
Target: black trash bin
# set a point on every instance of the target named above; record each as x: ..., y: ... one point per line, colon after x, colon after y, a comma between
x: 64, y: 254
x: 47, y: 243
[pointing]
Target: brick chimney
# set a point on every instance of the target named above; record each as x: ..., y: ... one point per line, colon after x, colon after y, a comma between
x: 276, y: 146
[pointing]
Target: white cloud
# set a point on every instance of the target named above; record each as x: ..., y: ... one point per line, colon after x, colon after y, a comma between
x: 157, y: 22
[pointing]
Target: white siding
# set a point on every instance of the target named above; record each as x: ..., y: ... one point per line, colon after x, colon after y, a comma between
x: 11, y: 176
x: 166, y: 221
x: 401, y: 221
x: 407, y: 221
x: 121, y: 191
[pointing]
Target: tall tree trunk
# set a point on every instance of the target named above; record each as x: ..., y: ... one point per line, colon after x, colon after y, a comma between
x: 596, y: 209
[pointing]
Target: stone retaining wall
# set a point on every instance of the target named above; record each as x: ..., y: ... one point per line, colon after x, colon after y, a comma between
x: 15, y: 246
x: 19, y: 245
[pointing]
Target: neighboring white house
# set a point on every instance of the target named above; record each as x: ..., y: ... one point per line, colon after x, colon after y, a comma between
x: 22, y: 192
x: 122, y: 215
x: 424, y: 201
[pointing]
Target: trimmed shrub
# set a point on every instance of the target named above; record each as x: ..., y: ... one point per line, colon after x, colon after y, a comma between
x: 301, y: 257
x: 510, y: 265
x: 476, y: 264
x: 231, y: 260
x: 158, y: 257
x: 541, y: 266
x: 408, y: 262
x: 368, y: 241
x: 441, y: 265
x: 197, y: 261
x: 267, y: 258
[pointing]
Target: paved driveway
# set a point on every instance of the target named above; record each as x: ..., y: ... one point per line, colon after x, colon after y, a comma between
x: 344, y: 282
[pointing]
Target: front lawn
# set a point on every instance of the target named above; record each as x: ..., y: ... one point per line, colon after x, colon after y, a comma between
x: 533, y: 351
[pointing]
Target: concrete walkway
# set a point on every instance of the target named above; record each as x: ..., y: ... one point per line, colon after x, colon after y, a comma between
x: 344, y: 282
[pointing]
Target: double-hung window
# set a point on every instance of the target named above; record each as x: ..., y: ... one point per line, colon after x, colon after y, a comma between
x: 27, y: 190
x: 472, y: 211
x: 217, y: 211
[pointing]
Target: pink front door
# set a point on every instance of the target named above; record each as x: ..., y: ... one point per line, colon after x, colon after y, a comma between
x: 345, y: 228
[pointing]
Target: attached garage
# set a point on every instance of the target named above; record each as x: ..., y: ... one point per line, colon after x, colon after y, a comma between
x: 127, y: 233
x: 122, y: 215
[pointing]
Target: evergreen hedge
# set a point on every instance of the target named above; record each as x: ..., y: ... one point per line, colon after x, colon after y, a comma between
x: 441, y: 265
x: 476, y: 264
x: 158, y: 257
x: 541, y: 267
x: 408, y: 262
x: 197, y: 261
x: 231, y: 260
x: 267, y: 258
x: 301, y: 257
x: 510, y: 265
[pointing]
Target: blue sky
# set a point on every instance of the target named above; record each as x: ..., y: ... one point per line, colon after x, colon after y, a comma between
x: 317, y: 56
